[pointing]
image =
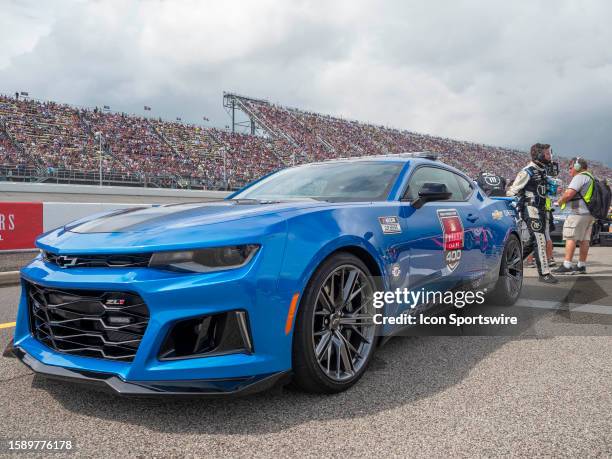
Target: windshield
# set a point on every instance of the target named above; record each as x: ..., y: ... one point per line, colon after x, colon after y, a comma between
x: 334, y: 181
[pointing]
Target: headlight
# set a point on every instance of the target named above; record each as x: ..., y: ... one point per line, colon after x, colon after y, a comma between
x: 205, y: 260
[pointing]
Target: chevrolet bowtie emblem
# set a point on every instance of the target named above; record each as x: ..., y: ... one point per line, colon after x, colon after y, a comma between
x: 66, y: 262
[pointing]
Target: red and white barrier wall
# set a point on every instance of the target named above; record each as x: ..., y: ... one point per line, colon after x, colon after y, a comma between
x: 22, y: 222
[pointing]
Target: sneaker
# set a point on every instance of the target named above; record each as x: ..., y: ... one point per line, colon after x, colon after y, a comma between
x: 563, y: 270
x: 552, y: 262
x: 549, y: 279
x: 531, y: 264
x: 580, y: 270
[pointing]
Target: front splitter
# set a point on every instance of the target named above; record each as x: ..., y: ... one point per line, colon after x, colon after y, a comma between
x: 184, y: 388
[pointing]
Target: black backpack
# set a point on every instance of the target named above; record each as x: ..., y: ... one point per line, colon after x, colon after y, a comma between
x: 599, y: 204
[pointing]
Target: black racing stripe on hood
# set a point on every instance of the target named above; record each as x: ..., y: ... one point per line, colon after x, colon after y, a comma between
x: 135, y: 219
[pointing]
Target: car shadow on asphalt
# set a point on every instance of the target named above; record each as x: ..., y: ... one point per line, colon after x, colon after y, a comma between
x: 406, y: 369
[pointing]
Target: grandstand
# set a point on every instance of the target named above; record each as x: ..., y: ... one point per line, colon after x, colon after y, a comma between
x: 50, y: 142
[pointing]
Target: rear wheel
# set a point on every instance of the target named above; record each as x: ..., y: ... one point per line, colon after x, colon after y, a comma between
x: 335, y: 335
x: 510, y: 281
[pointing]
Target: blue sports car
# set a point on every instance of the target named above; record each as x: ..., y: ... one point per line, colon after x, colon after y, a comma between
x: 274, y: 283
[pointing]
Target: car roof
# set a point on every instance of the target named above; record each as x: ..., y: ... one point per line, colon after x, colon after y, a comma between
x: 392, y: 157
x: 416, y: 158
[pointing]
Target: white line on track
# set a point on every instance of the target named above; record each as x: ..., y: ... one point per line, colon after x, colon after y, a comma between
x: 571, y: 307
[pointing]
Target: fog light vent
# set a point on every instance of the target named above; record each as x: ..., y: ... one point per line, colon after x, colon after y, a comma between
x: 205, y: 336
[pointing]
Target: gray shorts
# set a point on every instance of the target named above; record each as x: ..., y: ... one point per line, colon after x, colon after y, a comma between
x: 578, y: 227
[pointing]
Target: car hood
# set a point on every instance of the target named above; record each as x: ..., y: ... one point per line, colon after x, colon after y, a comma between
x: 177, y: 216
x: 173, y: 226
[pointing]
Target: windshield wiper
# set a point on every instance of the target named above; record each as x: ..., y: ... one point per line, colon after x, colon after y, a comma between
x: 254, y: 201
x: 272, y: 201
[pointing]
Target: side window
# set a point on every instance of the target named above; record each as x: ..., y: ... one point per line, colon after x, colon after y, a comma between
x: 465, y: 186
x: 436, y: 175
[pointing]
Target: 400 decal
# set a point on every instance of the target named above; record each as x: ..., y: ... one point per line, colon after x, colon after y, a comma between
x: 453, y: 237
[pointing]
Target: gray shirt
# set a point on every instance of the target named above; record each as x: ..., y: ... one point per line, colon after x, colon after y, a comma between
x: 580, y: 183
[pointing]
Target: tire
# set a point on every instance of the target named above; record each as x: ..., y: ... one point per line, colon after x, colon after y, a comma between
x: 329, y: 355
x: 510, y: 282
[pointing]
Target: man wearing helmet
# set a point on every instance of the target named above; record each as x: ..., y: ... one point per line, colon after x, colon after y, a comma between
x: 531, y: 187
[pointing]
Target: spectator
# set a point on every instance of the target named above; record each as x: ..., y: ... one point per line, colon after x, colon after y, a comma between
x: 36, y: 136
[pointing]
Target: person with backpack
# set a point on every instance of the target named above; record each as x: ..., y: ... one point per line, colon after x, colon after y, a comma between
x: 586, y: 196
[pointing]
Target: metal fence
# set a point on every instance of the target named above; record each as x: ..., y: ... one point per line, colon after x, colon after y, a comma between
x: 20, y: 173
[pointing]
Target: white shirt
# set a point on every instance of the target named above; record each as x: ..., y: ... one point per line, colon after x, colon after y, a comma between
x: 580, y: 183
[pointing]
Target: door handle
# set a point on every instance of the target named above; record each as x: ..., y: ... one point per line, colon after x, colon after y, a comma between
x: 472, y: 218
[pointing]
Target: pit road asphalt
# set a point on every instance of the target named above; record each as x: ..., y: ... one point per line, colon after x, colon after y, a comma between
x: 545, y: 392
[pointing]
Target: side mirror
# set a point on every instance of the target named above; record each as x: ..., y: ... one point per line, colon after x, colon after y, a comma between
x: 431, y: 191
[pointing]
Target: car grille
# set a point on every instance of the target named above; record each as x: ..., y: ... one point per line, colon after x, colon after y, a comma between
x: 98, y: 261
x: 108, y: 325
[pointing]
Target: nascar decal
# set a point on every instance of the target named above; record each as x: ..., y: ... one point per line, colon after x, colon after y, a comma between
x: 390, y: 225
x: 453, y: 237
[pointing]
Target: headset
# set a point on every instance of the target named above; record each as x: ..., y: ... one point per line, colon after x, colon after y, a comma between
x: 577, y: 165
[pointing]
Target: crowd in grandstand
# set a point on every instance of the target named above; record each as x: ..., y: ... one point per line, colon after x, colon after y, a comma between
x: 321, y: 137
x: 62, y: 141
x: 8, y: 152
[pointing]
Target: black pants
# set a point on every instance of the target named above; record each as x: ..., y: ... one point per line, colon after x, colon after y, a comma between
x: 536, y: 222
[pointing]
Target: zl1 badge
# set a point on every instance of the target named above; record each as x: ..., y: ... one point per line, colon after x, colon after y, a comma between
x: 452, y: 237
x: 390, y: 225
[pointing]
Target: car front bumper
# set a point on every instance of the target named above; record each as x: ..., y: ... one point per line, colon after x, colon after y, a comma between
x: 170, y: 298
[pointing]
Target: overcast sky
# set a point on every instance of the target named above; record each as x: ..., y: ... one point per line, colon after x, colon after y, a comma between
x: 504, y: 73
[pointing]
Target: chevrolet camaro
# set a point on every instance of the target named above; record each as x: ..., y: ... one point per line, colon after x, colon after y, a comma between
x: 274, y: 283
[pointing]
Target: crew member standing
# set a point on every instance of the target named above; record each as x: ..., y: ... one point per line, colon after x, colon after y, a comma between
x: 579, y: 224
x: 531, y: 187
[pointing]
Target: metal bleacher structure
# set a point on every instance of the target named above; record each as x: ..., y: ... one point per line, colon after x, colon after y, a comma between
x: 49, y: 142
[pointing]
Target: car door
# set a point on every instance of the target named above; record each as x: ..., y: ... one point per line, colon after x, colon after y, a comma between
x: 474, y: 223
x: 442, y: 237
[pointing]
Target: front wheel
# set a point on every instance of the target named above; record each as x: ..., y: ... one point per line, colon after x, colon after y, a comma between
x: 510, y: 281
x: 335, y: 334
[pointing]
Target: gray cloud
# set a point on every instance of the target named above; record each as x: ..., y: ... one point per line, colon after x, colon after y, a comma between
x: 505, y: 73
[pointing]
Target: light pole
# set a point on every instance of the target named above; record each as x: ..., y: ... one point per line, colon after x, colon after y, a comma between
x: 224, y: 167
x: 98, y: 136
